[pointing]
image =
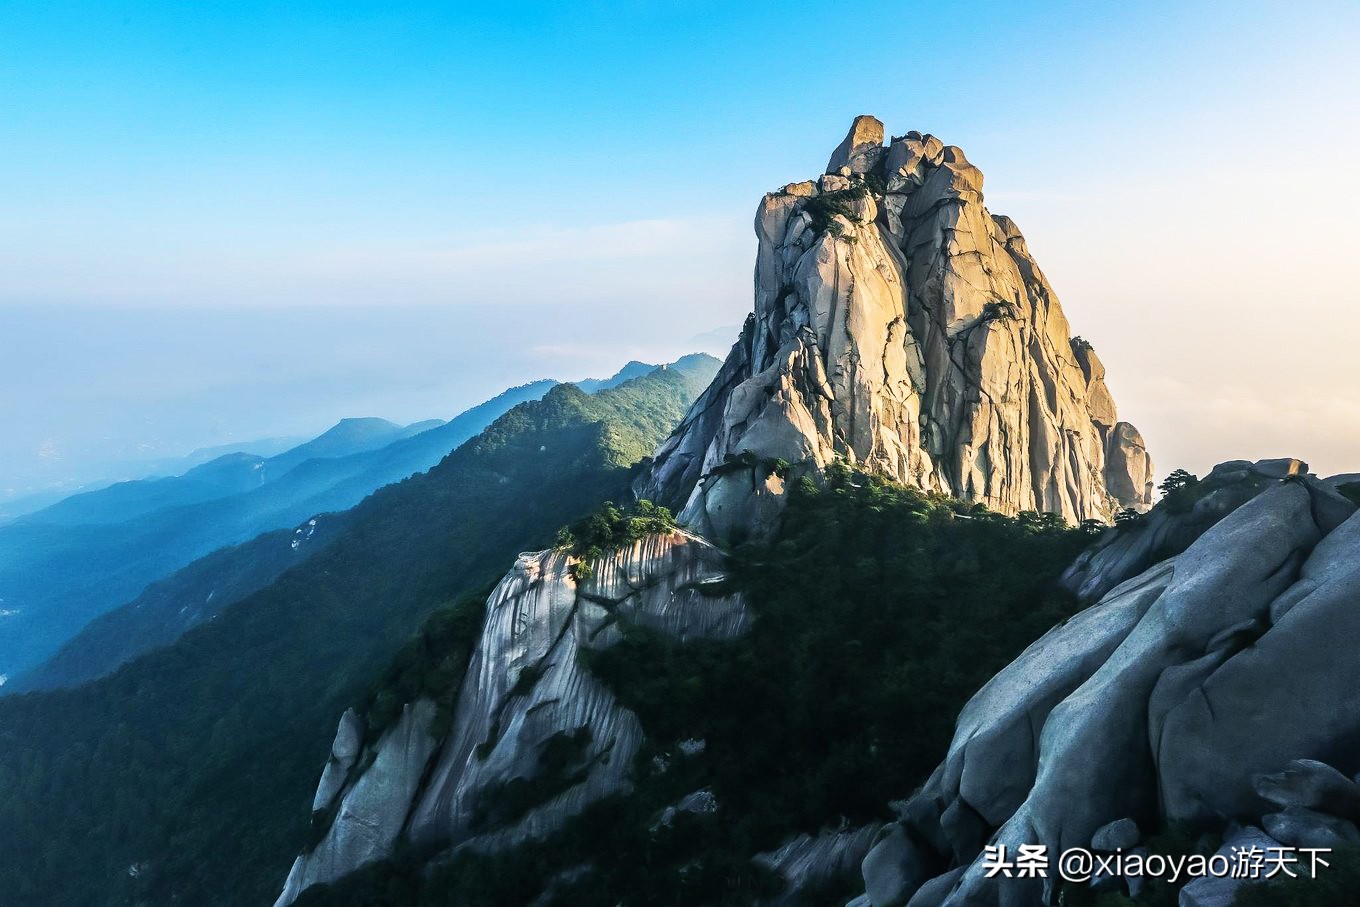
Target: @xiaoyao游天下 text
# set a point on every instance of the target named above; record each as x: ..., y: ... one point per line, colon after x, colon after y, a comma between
x: 1077, y: 864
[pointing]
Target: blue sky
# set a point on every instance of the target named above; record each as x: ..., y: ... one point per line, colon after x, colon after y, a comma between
x: 575, y: 182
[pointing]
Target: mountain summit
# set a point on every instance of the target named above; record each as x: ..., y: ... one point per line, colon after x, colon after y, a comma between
x: 900, y: 326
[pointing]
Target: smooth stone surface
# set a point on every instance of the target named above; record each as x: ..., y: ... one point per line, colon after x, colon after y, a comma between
x: 1121, y: 834
x: 1310, y: 784
x: 1300, y: 827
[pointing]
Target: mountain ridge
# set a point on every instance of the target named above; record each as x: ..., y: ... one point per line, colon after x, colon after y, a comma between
x: 59, y: 576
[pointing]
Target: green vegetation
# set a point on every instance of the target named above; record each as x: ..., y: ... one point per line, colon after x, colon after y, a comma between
x: 750, y: 460
x: 1180, y: 490
x: 1128, y: 518
x: 609, y: 528
x: 999, y: 310
x: 874, y: 180
x: 197, y: 762
x: 431, y: 666
x: 825, y: 207
x: 880, y: 611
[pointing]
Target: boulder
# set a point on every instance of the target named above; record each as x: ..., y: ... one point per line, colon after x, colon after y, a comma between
x: 1281, y: 467
x: 1136, y: 884
x: 1309, y: 784
x: 894, y: 868
x: 699, y: 803
x: 1128, y: 466
x: 1121, y: 834
x: 934, y: 892
x: 807, y: 861
x: 349, y: 738
x: 373, y: 809
x: 861, y: 148
x: 1300, y: 827
x: 1130, y: 549
x: 1219, y: 891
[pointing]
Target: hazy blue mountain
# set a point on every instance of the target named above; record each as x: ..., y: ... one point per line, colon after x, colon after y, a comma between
x: 73, y: 561
x: 229, y: 474
x: 632, y: 370
x: 195, y: 763
x: 13, y: 506
x: 169, y: 607
x: 348, y: 436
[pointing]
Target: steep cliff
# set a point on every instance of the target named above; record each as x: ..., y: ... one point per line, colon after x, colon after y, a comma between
x: 535, y: 737
x: 1178, y: 698
x: 901, y: 326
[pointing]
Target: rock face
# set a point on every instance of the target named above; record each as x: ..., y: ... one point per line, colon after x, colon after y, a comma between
x: 1214, y: 685
x: 806, y: 862
x: 901, y: 326
x: 525, y: 690
x: 1168, y: 530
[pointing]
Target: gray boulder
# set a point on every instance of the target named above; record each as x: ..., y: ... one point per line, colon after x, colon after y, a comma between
x: 1218, y: 891
x: 861, y: 148
x: 1281, y: 467
x: 349, y: 738
x: 934, y: 892
x: 1163, y: 701
x: 373, y: 808
x: 1301, y: 827
x: 1121, y: 834
x: 807, y: 861
x: 1128, y: 550
x: 894, y: 868
x: 1310, y: 784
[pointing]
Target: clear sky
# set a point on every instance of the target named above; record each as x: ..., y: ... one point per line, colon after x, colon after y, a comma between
x: 495, y: 192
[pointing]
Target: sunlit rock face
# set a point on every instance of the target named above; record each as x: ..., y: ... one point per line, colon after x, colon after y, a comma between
x: 1216, y: 685
x: 526, y: 689
x: 901, y: 326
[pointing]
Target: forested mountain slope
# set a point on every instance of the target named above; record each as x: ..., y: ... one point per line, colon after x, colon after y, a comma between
x: 186, y: 776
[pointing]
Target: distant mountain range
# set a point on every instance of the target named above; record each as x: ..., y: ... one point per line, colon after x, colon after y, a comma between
x: 17, y: 505
x: 72, y: 561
